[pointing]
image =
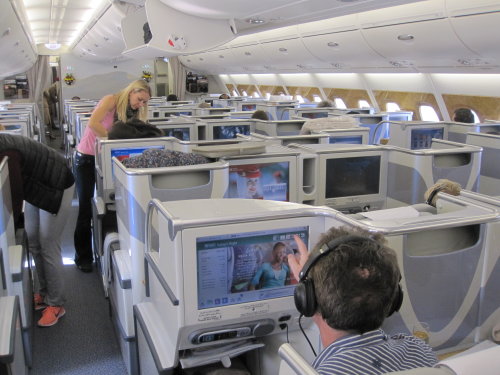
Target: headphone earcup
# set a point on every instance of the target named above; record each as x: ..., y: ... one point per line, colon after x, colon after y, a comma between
x: 397, y: 301
x: 305, y: 300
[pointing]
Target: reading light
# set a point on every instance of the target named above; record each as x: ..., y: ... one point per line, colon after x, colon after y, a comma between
x: 401, y: 63
x: 255, y: 21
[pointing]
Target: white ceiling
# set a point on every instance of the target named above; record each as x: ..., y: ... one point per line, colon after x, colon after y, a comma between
x: 58, y: 21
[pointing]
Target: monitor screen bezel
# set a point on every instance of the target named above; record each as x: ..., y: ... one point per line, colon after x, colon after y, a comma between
x: 350, y: 200
x: 260, y: 164
x: 212, y: 126
x: 105, y: 159
x: 239, y: 312
x: 414, y: 130
x: 210, y: 249
x: 269, y: 159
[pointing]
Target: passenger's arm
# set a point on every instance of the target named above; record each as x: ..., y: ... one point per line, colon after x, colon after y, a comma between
x: 108, y: 103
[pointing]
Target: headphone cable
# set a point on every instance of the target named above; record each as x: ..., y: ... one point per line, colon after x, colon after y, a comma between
x: 304, y: 333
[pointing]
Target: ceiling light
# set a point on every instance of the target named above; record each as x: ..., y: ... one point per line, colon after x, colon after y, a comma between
x: 53, y: 46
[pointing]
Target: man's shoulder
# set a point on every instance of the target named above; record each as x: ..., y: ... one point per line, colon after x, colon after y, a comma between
x: 399, y: 352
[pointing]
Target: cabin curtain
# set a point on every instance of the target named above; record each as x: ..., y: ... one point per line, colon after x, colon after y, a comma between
x: 39, y: 78
x: 179, y: 77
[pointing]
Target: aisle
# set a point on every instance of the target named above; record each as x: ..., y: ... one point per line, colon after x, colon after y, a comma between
x: 83, y: 341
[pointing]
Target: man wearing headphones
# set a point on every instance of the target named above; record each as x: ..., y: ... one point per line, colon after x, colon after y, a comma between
x: 349, y: 284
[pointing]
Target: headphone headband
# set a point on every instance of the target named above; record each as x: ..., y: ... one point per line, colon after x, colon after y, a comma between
x: 431, y: 196
x: 326, y: 248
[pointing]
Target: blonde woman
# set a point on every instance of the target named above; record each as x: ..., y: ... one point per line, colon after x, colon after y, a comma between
x: 130, y: 103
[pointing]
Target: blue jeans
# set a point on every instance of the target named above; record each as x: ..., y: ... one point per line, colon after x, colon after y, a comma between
x: 84, y: 171
x: 44, y: 232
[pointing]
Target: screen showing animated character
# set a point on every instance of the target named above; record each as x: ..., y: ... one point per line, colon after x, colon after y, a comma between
x: 268, y: 181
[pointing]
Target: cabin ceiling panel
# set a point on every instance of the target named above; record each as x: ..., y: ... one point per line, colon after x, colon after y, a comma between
x: 412, y: 82
x: 428, y: 43
x: 344, y: 50
x: 473, y: 84
x: 299, y: 79
x: 341, y: 80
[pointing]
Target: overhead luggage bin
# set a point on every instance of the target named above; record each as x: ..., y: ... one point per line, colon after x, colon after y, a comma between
x: 479, y: 39
x: 410, y: 44
x: 175, y: 37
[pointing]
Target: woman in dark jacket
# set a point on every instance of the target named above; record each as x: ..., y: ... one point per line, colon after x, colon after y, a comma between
x: 40, y: 176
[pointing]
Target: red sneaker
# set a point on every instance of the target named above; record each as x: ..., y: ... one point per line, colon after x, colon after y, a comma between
x: 51, y: 315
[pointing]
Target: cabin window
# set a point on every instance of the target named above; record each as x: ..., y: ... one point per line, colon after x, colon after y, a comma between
x: 256, y: 94
x: 244, y: 93
x: 234, y: 93
x: 299, y: 98
x: 268, y: 95
x: 427, y: 113
x: 363, y: 104
x: 392, y: 107
x: 339, y: 103
x: 316, y: 98
x: 476, y: 117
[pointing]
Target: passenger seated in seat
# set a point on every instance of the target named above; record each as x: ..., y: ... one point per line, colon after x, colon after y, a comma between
x: 337, y: 122
x: 444, y: 185
x: 349, y: 284
x: 324, y: 104
x: 157, y: 158
x: 463, y: 115
x: 133, y: 128
x: 260, y: 115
